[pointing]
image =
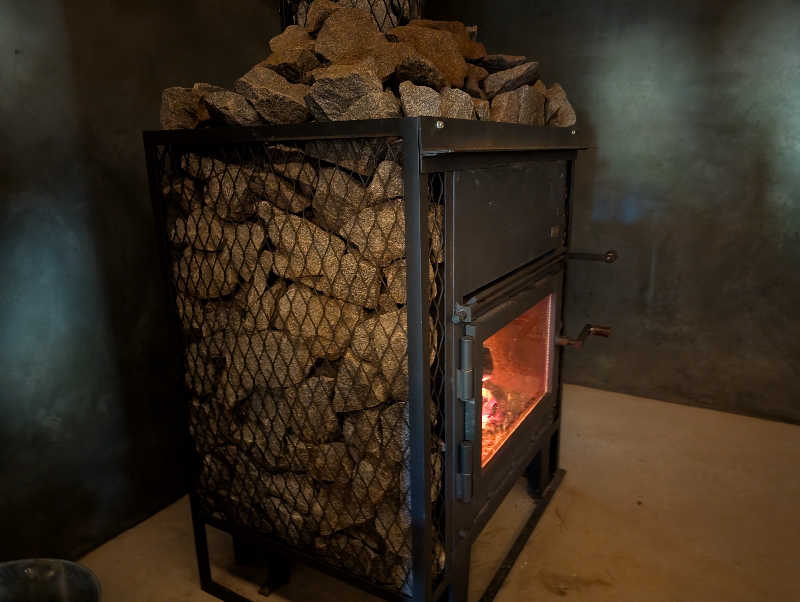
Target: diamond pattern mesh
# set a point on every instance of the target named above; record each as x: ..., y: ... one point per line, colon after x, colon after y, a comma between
x: 289, y: 274
x: 387, y: 13
x: 436, y: 207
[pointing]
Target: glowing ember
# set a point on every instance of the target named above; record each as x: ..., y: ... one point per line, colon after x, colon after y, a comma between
x: 516, y: 376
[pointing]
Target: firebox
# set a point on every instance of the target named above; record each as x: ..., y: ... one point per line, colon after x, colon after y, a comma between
x: 368, y: 318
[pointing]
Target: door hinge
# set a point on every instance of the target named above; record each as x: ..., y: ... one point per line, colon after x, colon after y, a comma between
x: 465, y: 390
x: 464, y: 482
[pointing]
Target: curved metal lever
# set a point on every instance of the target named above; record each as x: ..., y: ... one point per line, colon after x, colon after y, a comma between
x: 589, y: 329
x: 607, y: 257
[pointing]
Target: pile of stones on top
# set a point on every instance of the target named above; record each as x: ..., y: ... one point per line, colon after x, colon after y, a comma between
x: 340, y: 67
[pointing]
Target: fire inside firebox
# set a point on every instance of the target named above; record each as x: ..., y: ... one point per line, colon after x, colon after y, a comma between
x: 516, y: 375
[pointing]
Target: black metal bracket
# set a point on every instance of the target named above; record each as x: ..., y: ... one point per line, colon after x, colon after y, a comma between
x: 588, y: 329
x: 607, y: 257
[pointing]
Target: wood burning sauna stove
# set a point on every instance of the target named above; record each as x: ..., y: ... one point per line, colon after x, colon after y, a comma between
x: 369, y: 321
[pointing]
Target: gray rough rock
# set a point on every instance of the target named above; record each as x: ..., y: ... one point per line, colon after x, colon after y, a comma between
x: 324, y: 322
x: 386, y: 183
x: 358, y: 155
x: 259, y: 300
x: 348, y: 278
x: 511, y: 79
x: 420, y: 101
x: 524, y: 105
x: 375, y: 105
x: 439, y: 47
x: 337, y: 509
x: 474, y: 82
x: 351, y: 552
x: 500, y: 62
x: 313, y: 418
x: 243, y: 242
x: 273, y: 359
x: 280, y: 192
x: 420, y: 71
x: 436, y: 230
x: 338, y: 198
x: 505, y: 107
x: 372, y: 480
x: 296, y: 490
x: 481, y: 108
x: 181, y: 108
x: 393, y: 524
x: 318, y: 12
x: 332, y: 463
x: 227, y: 190
x: 362, y: 433
x: 201, y: 229
x: 307, y: 246
x: 383, y: 340
x: 301, y: 172
x: 275, y: 98
x: 378, y: 231
x: 293, y: 63
x: 205, y: 275
x: 457, y: 104
x: 201, y: 373
x: 395, y: 432
x: 231, y: 108
x: 359, y: 385
x: 348, y: 35
x: 181, y: 191
x: 531, y: 106
x: 310, y: 255
x: 383, y: 17
x: 293, y: 36
x: 469, y: 48
x: 396, y: 274
x: 266, y: 418
x: 337, y: 87
x: 558, y: 110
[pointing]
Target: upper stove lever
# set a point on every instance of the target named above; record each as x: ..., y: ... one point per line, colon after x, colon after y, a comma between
x: 589, y: 329
x: 607, y: 257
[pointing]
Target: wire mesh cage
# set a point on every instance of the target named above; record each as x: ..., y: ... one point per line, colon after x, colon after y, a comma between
x: 387, y: 13
x: 287, y: 263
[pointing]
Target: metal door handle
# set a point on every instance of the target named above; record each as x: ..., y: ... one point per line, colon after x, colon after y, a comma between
x: 589, y: 329
x: 607, y: 257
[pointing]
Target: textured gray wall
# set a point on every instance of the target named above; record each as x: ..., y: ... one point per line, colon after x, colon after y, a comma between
x: 694, y: 110
x: 87, y: 431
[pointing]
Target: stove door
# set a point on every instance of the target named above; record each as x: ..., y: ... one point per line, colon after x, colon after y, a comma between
x: 512, y: 377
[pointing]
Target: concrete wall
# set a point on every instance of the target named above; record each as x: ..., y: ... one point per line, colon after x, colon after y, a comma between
x: 694, y: 112
x: 87, y: 429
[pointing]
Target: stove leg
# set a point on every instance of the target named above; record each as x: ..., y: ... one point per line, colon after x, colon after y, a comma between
x: 458, y: 591
x: 541, y: 471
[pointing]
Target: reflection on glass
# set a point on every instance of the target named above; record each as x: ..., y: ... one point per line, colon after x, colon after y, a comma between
x: 516, y: 375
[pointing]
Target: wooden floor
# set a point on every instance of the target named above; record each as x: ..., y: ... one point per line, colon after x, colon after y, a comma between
x: 661, y: 502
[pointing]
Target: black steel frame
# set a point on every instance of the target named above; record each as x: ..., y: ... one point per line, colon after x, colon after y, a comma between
x: 429, y: 146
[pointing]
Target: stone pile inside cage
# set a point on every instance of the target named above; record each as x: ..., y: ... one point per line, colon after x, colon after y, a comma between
x: 289, y: 271
x: 346, y: 62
